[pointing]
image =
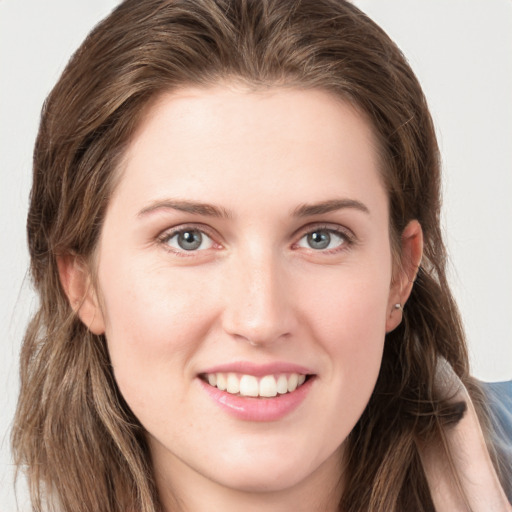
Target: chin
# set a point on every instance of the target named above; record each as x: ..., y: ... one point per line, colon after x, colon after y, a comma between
x: 264, y: 480
x: 282, y: 469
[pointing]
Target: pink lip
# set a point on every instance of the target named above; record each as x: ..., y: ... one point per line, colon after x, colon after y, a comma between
x: 258, y: 409
x: 258, y: 370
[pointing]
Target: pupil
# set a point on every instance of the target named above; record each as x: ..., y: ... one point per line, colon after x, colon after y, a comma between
x: 190, y: 240
x: 319, y: 239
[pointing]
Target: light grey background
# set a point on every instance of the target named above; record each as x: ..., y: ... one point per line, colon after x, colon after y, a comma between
x: 462, y: 53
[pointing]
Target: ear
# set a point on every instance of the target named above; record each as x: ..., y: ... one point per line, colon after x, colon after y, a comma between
x: 76, y: 281
x: 411, y: 254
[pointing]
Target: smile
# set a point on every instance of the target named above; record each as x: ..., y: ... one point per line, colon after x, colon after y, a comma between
x: 258, y: 392
x: 267, y: 386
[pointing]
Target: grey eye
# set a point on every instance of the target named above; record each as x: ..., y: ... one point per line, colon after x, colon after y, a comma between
x: 189, y: 240
x: 321, y: 239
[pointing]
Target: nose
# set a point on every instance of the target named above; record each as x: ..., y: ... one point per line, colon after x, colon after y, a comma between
x: 258, y: 302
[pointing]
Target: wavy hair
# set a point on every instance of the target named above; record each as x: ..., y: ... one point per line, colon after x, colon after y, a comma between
x: 82, y: 448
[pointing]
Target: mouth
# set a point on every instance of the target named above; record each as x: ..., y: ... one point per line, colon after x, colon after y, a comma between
x: 245, y: 385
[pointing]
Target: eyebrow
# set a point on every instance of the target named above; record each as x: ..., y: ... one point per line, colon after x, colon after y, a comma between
x: 306, y: 210
x: 193, y: 207
x: 210, y: 210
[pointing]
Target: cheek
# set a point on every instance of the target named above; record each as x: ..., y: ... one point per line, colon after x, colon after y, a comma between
x: 350, y: 324
x: 351, y: 306
x: 154, y: 323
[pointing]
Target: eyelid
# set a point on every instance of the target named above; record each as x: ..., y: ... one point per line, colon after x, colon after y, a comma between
x: 326, y: 226
x: 168, y: 233
x: 214, y: 236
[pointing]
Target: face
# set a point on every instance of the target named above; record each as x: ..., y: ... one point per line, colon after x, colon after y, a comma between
x: 244, y: 280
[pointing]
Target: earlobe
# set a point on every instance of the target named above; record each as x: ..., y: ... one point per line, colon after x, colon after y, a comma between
x: 76, y: 282
x: 411, y: 254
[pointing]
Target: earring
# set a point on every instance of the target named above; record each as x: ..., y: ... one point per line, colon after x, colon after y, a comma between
x: 399, y: 306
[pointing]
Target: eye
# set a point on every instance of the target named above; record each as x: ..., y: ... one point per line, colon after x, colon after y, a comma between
x: 188, y: 240
x: 323, y: 239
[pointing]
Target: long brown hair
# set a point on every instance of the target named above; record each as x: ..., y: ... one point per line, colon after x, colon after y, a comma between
x: 81, y: 446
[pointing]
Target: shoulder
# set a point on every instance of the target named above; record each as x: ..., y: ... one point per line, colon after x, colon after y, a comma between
x: 499, y: 401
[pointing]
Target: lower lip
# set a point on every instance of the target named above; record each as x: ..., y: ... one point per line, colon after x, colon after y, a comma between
x: 258, y: 409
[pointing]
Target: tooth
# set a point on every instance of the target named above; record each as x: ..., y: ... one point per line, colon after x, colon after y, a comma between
x: 268, y: 386
x: 233, y: 384
x: 282, y: 384
x: 302, y: 379
x: 293, y: 381
x: 221, y: 381
x: 212, y: 379
x: 249, y: 385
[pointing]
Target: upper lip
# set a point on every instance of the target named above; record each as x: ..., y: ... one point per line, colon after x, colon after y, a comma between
x: 258, y: 370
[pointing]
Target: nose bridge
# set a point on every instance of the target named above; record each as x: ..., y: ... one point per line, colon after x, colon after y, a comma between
x: 258, y: 307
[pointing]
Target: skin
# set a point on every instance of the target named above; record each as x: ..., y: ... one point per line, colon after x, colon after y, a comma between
x: 255, y: 290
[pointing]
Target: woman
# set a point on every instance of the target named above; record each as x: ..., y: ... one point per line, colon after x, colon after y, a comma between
x: 234, y: 232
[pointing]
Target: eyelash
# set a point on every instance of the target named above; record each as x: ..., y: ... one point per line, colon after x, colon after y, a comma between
x: 345, y: 234
x: 165, y: 237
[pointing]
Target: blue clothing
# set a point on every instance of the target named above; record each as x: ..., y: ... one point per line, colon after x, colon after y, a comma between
x: 499, y: 395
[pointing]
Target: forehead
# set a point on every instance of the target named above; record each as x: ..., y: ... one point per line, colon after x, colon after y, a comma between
x: 248, y: 109
x: 197, y: 138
